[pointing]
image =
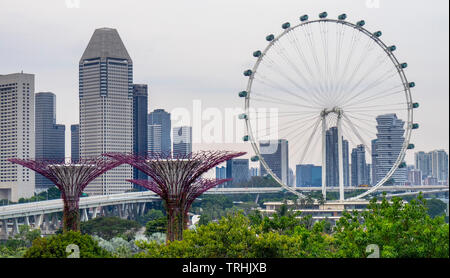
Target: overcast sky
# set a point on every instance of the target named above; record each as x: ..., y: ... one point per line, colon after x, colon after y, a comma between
x: 198, y: 49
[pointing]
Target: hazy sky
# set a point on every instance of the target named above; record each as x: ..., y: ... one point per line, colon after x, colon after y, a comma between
x: 198, y: 49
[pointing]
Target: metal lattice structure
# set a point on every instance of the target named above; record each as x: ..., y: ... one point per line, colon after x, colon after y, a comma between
x: 177, y: 180
x: 71, y: 178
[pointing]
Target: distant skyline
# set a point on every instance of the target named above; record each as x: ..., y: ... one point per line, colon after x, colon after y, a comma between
x: 188, y: 50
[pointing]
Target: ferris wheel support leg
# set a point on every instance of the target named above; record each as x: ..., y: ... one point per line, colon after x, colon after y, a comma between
x: 324, y: 158
x: 340, y: 159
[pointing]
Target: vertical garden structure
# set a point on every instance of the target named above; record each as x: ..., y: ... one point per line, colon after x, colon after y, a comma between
x: 177, y: 180
x: 71, y: 178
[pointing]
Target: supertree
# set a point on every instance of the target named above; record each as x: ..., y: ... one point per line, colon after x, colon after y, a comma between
x: 177, y: 180
x: 71, y: 178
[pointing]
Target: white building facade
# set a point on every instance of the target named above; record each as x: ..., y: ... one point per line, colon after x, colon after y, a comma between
x: 16, y: 135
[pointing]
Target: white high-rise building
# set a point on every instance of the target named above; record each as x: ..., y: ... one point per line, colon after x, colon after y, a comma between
x: 106, y: 107
x: 182, y: 140
x: 16, y: 135
x: 439, y: 165
x: 154, y: 138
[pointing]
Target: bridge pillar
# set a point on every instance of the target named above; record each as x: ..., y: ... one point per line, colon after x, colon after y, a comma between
x: 94, y: 212
x: 15, y: 229
x: 5, y: 231
x: 55, y: 221
x: 46, y: 223
x: 38, y: 219
x: 27, y: 221
x: 142, y: 210
x: 85, y: 215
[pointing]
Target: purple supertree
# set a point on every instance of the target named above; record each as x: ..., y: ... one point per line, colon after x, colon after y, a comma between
x: 71, y: 178
x: 177, y: 180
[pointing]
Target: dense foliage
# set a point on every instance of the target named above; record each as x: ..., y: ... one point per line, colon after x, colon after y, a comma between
x: 400, y: 230
x: 110, y: 227
x: 56, y: 246
x: 16, y: 246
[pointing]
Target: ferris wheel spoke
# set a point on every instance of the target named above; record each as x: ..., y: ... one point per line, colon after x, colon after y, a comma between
x: 352, y: 126
x: 310, y: 140
x: 286, y: 103
x: 287, y: 125
x: 309, y: 38
x: 378, y: 95
x: 278, y: 100
x: 296, y: 43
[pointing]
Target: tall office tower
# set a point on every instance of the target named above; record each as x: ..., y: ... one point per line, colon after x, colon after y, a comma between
x: 16, y: 135
x: 369, y: 173
x: 106, y: 107
x: 75, y: 142
x: 162, y: 118
x: 423, y: 162
x: 154, y: 138
x: 374, y: 162
x: 415, y: 177
x: 439, y: 166
x: 276, y: 155
x: 359, y: 167
x: 388, y: 146
x: 254, y: 171
x: 140, y: 127
x: 50, y: 138
x: 182, y: 141
x: 221, y: 172
x: 308, y: 175
x: 332, y: 163
x: 237, y: 170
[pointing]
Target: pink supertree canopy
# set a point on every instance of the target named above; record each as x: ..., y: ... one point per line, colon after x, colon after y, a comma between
x: 177, y: 179
x: 71, y: 178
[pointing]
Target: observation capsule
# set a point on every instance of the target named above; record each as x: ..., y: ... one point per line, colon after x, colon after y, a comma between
x: 415, y: 126
x: 286, y: 25
x: 342, y: 17
x: 410, y: 146
x: 245, y: 138
x: 392, y: 48
x: 243, y: 116
x: 415, y: 105
x: 377, y: 34
x: 254, y: 158
x: 412, y: 84
x: 243, y: 94
x: 323, y: 15
x: 304, y: 17
x: 257, y: 53
x: 403, y: 65
x: 361, y: 23
x: 270, y: 37
x: 402, y: 165
x: 248, y: 72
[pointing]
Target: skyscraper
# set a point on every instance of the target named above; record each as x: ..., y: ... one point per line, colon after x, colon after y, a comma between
x: 16, y: 135
x: 106, y: 107
x: 162, y: 118
x: 182, y: 141
x: 276, y: 155
x: 237, y: 170
x: 308, y: 175
x: 360, y: 173
x: 423, y: 162
x: 140, y: 127
x: 439, y: 166
x: 387, y: 148
x: 154, y: 138
x: 49, y: 136
x: 332, y: 154
x: 75, y: 142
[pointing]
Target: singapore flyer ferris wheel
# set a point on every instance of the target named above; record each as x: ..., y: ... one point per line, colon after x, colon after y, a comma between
x: 333, y: 90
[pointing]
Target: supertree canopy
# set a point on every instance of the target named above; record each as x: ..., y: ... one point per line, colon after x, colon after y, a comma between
x: 71, y: 178
x: 177, y: 180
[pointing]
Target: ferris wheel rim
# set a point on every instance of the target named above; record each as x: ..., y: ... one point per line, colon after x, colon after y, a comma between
x: 401, y: 74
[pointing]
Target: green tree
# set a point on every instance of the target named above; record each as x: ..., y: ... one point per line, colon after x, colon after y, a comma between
x: 435, y: 207
x: 158, y: 225
x: 110, y: 227
x: 55, y: 246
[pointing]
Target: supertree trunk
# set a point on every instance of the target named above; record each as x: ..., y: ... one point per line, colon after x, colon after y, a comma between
x: 71, y: 215
x: 175, y: 221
